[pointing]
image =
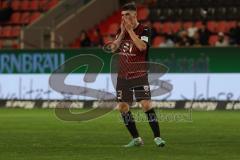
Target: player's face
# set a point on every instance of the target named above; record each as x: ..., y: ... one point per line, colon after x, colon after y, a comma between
x: 129, y: 15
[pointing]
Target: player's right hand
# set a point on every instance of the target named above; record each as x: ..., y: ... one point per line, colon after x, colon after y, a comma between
x: 122, y: 27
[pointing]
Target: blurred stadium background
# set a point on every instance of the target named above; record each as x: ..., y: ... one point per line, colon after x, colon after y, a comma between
x: 198, y: 40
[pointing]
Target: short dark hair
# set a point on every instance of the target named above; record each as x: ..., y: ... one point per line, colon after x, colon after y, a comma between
x: 129, y: 7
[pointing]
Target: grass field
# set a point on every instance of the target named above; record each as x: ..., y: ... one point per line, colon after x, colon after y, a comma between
x: 38, y: 135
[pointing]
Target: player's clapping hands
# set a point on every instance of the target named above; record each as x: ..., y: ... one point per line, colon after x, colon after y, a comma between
x: 122, y: 27
x: 127, y: 24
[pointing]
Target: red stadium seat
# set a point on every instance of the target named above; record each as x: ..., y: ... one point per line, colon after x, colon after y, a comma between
x: 157, y: 26
x: 52, y: 3
x: 222, y: 27
x: 15, y: 45
x: 176, y: 27
x: 211, y: 25
x: 25, y: 5
x: 43, y: 5
x: 15, y: 18
x: 16, y: 4
x: 199, y: 24
x: 15, y: 31
x: 106, y: 39
x: 158, y: 41
x: 113, y: 28
x: 34, y: 16
x: 167, y: 27
x: 143, y: 14
x: 6, y: 31
x: 24, y: 12
x: 4, y: 4
x: 34, y: 5
x: 94, y: 36
x: 187, y: 25
x: 75, y: 44
x: 115, y: 18
x: 232, y: 24
x: 25, y: 18
x: 103, y: 27
x: 213, y: 39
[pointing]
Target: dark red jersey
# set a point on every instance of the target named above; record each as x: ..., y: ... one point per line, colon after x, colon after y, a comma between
x: 131, y: 59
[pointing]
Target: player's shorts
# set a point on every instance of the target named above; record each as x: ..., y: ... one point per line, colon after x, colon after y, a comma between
x: 127, y: 88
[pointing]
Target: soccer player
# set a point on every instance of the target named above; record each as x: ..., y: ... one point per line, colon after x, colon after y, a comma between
x: 133, y: 43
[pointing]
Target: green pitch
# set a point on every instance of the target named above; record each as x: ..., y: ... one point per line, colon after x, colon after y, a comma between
x: 39, y: 135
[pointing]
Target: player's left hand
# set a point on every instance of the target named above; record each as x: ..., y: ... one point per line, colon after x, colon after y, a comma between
x: 127, y: 24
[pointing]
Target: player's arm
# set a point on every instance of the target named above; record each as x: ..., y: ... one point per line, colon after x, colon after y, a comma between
x: 140, y: 44
x: 117, y: 42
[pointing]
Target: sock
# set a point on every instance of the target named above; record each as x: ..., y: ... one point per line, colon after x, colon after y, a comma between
x: 153, y: 122
x: 130, y: 124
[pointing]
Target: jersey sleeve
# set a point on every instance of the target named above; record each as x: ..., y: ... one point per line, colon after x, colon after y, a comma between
x: 146, y: 35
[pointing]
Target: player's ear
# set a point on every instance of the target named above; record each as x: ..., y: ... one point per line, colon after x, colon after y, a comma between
x: 135, y: 14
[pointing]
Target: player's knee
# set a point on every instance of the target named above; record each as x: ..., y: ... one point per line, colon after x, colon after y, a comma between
x: 123, y: 107
x: 146, y: 105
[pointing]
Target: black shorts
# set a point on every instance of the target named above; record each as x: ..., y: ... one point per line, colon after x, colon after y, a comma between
x: 138, y: 87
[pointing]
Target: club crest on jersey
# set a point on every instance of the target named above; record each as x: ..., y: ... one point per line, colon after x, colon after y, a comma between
x: 146, y: 88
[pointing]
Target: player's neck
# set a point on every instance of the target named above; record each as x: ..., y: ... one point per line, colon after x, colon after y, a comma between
x: 136, y: 25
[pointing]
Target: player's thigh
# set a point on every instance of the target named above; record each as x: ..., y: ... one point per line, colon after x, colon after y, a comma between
x: 124, y: 98
x: 124, y: 95
x: 143, y: 96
